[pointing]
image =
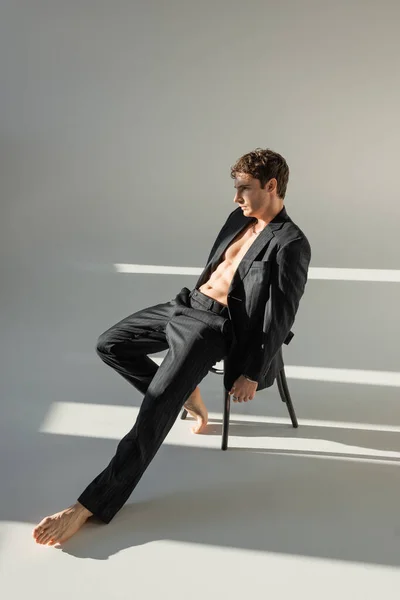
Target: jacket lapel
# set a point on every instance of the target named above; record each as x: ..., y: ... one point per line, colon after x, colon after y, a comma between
x: 257, y: 246
x: 237, y: 225
x: 262, y: 240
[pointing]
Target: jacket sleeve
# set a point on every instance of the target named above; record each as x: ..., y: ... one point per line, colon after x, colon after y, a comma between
x: 287, y: 287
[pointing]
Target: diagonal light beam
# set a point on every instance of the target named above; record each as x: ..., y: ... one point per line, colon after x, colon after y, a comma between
x: 321, y: 273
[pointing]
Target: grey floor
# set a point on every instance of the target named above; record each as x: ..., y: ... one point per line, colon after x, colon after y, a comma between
x: 286, y: 513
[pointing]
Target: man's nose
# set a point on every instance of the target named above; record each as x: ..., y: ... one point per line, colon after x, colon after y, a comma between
x: 237, y: 198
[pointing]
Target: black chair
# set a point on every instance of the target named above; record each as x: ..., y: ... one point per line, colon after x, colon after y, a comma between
x: 284, y: 394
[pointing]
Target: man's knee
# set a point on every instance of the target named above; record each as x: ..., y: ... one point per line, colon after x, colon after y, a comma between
x: 104, y: 345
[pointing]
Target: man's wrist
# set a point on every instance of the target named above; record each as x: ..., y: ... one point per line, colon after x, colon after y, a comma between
x: 249, y: 378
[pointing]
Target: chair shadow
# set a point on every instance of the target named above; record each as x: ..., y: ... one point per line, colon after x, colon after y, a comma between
x: 384, y: 441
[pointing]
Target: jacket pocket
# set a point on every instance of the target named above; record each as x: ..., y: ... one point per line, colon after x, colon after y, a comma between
x: 260, y: 264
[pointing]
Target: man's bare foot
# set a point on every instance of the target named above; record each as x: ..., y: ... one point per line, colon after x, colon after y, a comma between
x: 197, y: 409
x: 60, y: 527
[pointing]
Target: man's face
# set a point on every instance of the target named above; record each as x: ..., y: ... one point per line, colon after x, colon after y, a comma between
x: 250, y: 196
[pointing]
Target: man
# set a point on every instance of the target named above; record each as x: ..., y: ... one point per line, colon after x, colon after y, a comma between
x: 242, y: 309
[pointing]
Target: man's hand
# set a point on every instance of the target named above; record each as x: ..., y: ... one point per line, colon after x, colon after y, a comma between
x: 243, y: 390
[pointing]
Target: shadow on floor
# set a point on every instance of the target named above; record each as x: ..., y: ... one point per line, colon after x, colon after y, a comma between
x: 298, y: 504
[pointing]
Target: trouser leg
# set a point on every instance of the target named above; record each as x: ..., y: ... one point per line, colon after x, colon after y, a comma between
x: 194, y: 347
x: 125, y: 346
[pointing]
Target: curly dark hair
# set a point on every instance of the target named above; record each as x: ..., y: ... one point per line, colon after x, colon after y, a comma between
x: 264, y: 164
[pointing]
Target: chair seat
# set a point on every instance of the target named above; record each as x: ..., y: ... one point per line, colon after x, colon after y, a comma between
x: 218, y: 368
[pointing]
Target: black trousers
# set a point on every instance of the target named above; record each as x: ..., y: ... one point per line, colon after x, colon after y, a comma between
x: 197, y: 332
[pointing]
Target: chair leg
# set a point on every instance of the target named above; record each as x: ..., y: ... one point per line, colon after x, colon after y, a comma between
x: 285, y: 396
x: 225, y: 424
x: 184, y: 414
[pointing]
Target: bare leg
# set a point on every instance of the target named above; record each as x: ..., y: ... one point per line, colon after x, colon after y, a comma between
x: 61, y: 526
x: 197, y: 409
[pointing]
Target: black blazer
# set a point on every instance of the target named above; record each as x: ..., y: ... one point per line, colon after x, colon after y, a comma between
x: 263, y: 297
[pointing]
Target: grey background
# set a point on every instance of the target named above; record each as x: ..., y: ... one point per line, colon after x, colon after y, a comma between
x: 118, y: 124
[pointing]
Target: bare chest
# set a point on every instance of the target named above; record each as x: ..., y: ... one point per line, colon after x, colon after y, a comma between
x: 238, y: 248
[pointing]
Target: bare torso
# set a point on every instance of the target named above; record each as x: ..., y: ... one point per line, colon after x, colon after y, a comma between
x: 218, y: 285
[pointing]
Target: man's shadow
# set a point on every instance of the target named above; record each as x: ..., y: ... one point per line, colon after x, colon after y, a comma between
x: 309, y: 505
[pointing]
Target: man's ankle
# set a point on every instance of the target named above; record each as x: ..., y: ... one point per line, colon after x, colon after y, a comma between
x: 82, y: 509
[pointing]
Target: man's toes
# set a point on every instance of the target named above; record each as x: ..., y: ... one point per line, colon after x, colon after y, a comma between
x: 48, y: 536
x: 39, y: 529
x: 45, y: 536
x: 43, y: 526
x: 40, y: 538
x: 36, y: 536
x: 44, y: 533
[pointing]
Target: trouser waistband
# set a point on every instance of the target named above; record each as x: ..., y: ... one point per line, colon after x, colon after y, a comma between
x: 209, y: 303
